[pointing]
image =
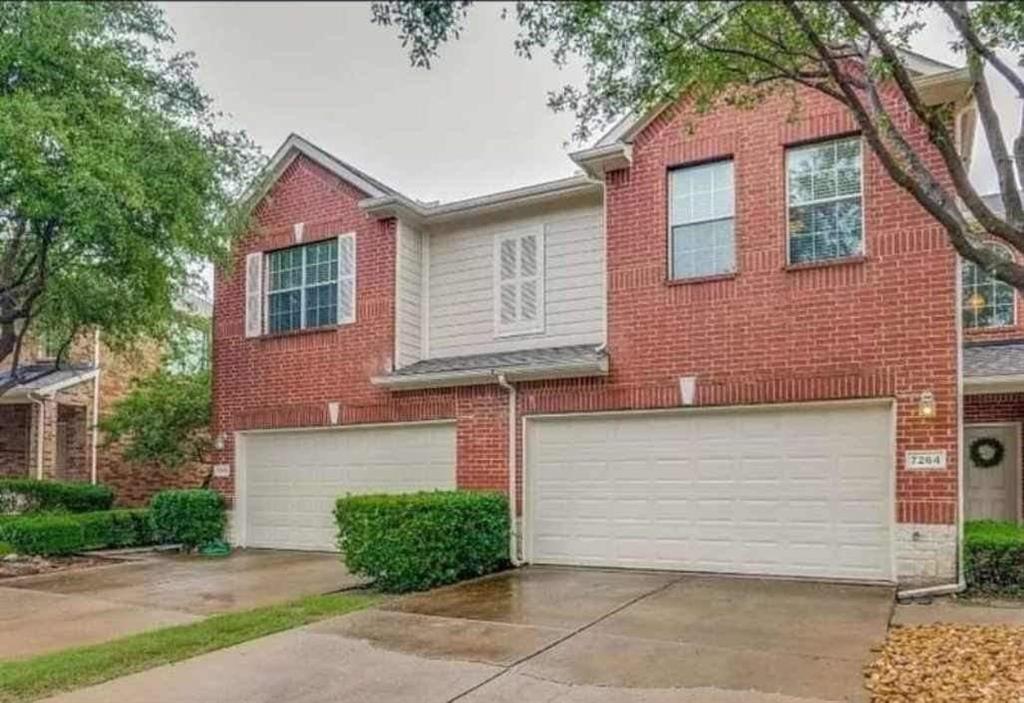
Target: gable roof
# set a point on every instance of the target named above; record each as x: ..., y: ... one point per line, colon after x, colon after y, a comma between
x: 295, y: 146
x: 611, y: 151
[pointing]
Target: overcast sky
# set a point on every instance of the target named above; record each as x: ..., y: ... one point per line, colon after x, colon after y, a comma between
x: 475, y: 123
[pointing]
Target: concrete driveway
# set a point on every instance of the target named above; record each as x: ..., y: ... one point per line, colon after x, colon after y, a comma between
x: 549, y: 634
x: 53, y: 611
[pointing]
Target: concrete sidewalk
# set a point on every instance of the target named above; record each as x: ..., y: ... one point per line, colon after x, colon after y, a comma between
x: 546, y: 634
x: 65, y: 609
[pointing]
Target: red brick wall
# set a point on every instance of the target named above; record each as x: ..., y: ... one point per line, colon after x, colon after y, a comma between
x: 995, y: 407
x: 882, y: 326
x: 15, y: 432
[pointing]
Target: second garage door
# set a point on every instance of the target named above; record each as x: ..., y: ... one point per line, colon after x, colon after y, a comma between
x: 791, y: 491
x: 291, y: 480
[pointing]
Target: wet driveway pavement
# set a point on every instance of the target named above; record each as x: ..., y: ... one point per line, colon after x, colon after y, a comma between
x: 64, y: 609
x: 554, y: 635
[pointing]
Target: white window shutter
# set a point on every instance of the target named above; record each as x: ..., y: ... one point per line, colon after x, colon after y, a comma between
x: 519, y: 284
x: 254, y: 294
x: 346, y: 278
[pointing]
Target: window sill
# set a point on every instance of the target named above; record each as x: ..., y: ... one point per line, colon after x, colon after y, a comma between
x: 299, y: 333
x: 701, y: 279
x: 827, y: 263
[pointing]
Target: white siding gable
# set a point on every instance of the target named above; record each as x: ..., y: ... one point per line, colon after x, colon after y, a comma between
x: 463, y: 290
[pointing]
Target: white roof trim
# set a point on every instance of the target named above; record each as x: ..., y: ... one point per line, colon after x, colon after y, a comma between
x: 976, y: 385
x: 477, y: 377
x: 930, y: 73
x: 417, y: 213
x: 295, y: 145
x: 20, y: 393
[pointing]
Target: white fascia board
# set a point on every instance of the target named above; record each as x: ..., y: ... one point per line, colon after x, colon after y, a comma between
x: 978, y: 385
x: 420, y: 214
x: 476, y: 377
x: 598, y: 160
x: 20, y: 394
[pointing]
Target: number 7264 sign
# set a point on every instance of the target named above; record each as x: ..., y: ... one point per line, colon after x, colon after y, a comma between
x: 926, y: 461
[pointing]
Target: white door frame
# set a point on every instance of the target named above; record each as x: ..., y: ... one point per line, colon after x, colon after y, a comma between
x: 240, y: 515
x: 528, y: 491
x: 1019, y: 472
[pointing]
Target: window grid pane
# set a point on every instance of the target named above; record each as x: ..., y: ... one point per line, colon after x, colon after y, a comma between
x: 701, y: 220
x: 987, y: 301
x: 825, y: 206
x: 303, y: 287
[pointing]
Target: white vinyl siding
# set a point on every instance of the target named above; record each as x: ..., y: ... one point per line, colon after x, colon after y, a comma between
x: 409, y: 283
x: 290, y: 480
x: 785, y: 491
x: 461, y: 287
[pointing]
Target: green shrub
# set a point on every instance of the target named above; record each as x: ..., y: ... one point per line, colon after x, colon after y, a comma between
x: 57, y: 534
x: 25, y: 495
x: 416, y: 541
x: 994, y: 557
x: 188, y: 517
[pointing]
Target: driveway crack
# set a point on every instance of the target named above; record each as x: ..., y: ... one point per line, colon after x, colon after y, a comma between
x: 568, y: 636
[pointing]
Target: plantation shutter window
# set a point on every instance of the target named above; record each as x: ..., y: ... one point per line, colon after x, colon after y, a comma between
x: 702, y: 235
x: 254, y: 294
x: 519, y: 284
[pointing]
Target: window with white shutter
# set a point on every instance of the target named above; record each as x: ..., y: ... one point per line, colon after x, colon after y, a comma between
x: 519, y: 282
x: 305, y: 287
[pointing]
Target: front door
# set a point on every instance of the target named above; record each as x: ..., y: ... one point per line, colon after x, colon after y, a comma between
x: 992, y: 472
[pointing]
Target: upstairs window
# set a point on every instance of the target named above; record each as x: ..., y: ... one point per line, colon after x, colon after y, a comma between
x: 519, y: 282
x: 304, y: 287
x: 987, y: 301
x: 825, y: 208
x: 702, y: 238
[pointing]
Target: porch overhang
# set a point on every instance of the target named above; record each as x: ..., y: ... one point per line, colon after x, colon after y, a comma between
x: 993, y: 367
x: 481, y: 369
x: 41, y: 381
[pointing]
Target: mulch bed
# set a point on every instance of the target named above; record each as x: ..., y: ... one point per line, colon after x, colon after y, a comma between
x: 940, y: 663
x: 32, y: 565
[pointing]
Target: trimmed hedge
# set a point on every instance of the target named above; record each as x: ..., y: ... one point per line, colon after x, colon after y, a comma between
x: 415, y: 541
x: 189, y: 517
x: 994, y: 557
x: 67, y: 533
x: 25, y: 495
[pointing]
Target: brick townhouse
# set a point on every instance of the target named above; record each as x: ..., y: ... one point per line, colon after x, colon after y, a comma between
x: 729, y: 344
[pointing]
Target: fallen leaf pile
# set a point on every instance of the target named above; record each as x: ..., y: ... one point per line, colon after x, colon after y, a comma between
x: 949, y: 663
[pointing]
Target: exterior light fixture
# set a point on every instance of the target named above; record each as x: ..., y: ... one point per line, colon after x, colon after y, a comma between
x: 926, y: 404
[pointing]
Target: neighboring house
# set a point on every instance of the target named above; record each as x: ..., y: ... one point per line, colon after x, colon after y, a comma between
x: 731, y: 345
x: 65, y: 405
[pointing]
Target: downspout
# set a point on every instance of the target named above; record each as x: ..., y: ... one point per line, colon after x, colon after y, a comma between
x: 961, y: 583
x: 95, y: 406
x: 40, y: 423
x: 513, y: 532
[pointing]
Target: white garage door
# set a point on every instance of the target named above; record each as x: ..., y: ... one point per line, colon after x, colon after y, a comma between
x: 783, y: 491
x: 292, y: 479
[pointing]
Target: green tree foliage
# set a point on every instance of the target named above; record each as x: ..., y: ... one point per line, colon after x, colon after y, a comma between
x: 115, y: 179
x: 164, y: 419
x: 639, y: 54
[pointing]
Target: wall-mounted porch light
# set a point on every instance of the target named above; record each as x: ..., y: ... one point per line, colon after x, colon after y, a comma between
x: 926, y: 404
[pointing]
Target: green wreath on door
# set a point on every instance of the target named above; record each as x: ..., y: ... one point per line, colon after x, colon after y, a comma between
x: 986, y: 452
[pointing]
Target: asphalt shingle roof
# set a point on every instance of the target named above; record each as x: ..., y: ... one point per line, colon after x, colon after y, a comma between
x: 1003, y: 359
x: 540, y: 358
x: 43, y: 382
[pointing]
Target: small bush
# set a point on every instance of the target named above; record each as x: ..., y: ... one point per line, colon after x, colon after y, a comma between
x: 415, y: 541
x: 24, y: 495
x: 994, y: 557
x: 58, y: 534
x: 188, y: 517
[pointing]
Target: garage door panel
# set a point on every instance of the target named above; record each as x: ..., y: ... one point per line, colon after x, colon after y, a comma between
x: 293, y: 479
x: 787, y: 491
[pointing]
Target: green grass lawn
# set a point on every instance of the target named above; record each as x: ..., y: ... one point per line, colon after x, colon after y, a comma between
x: 48, y: 674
